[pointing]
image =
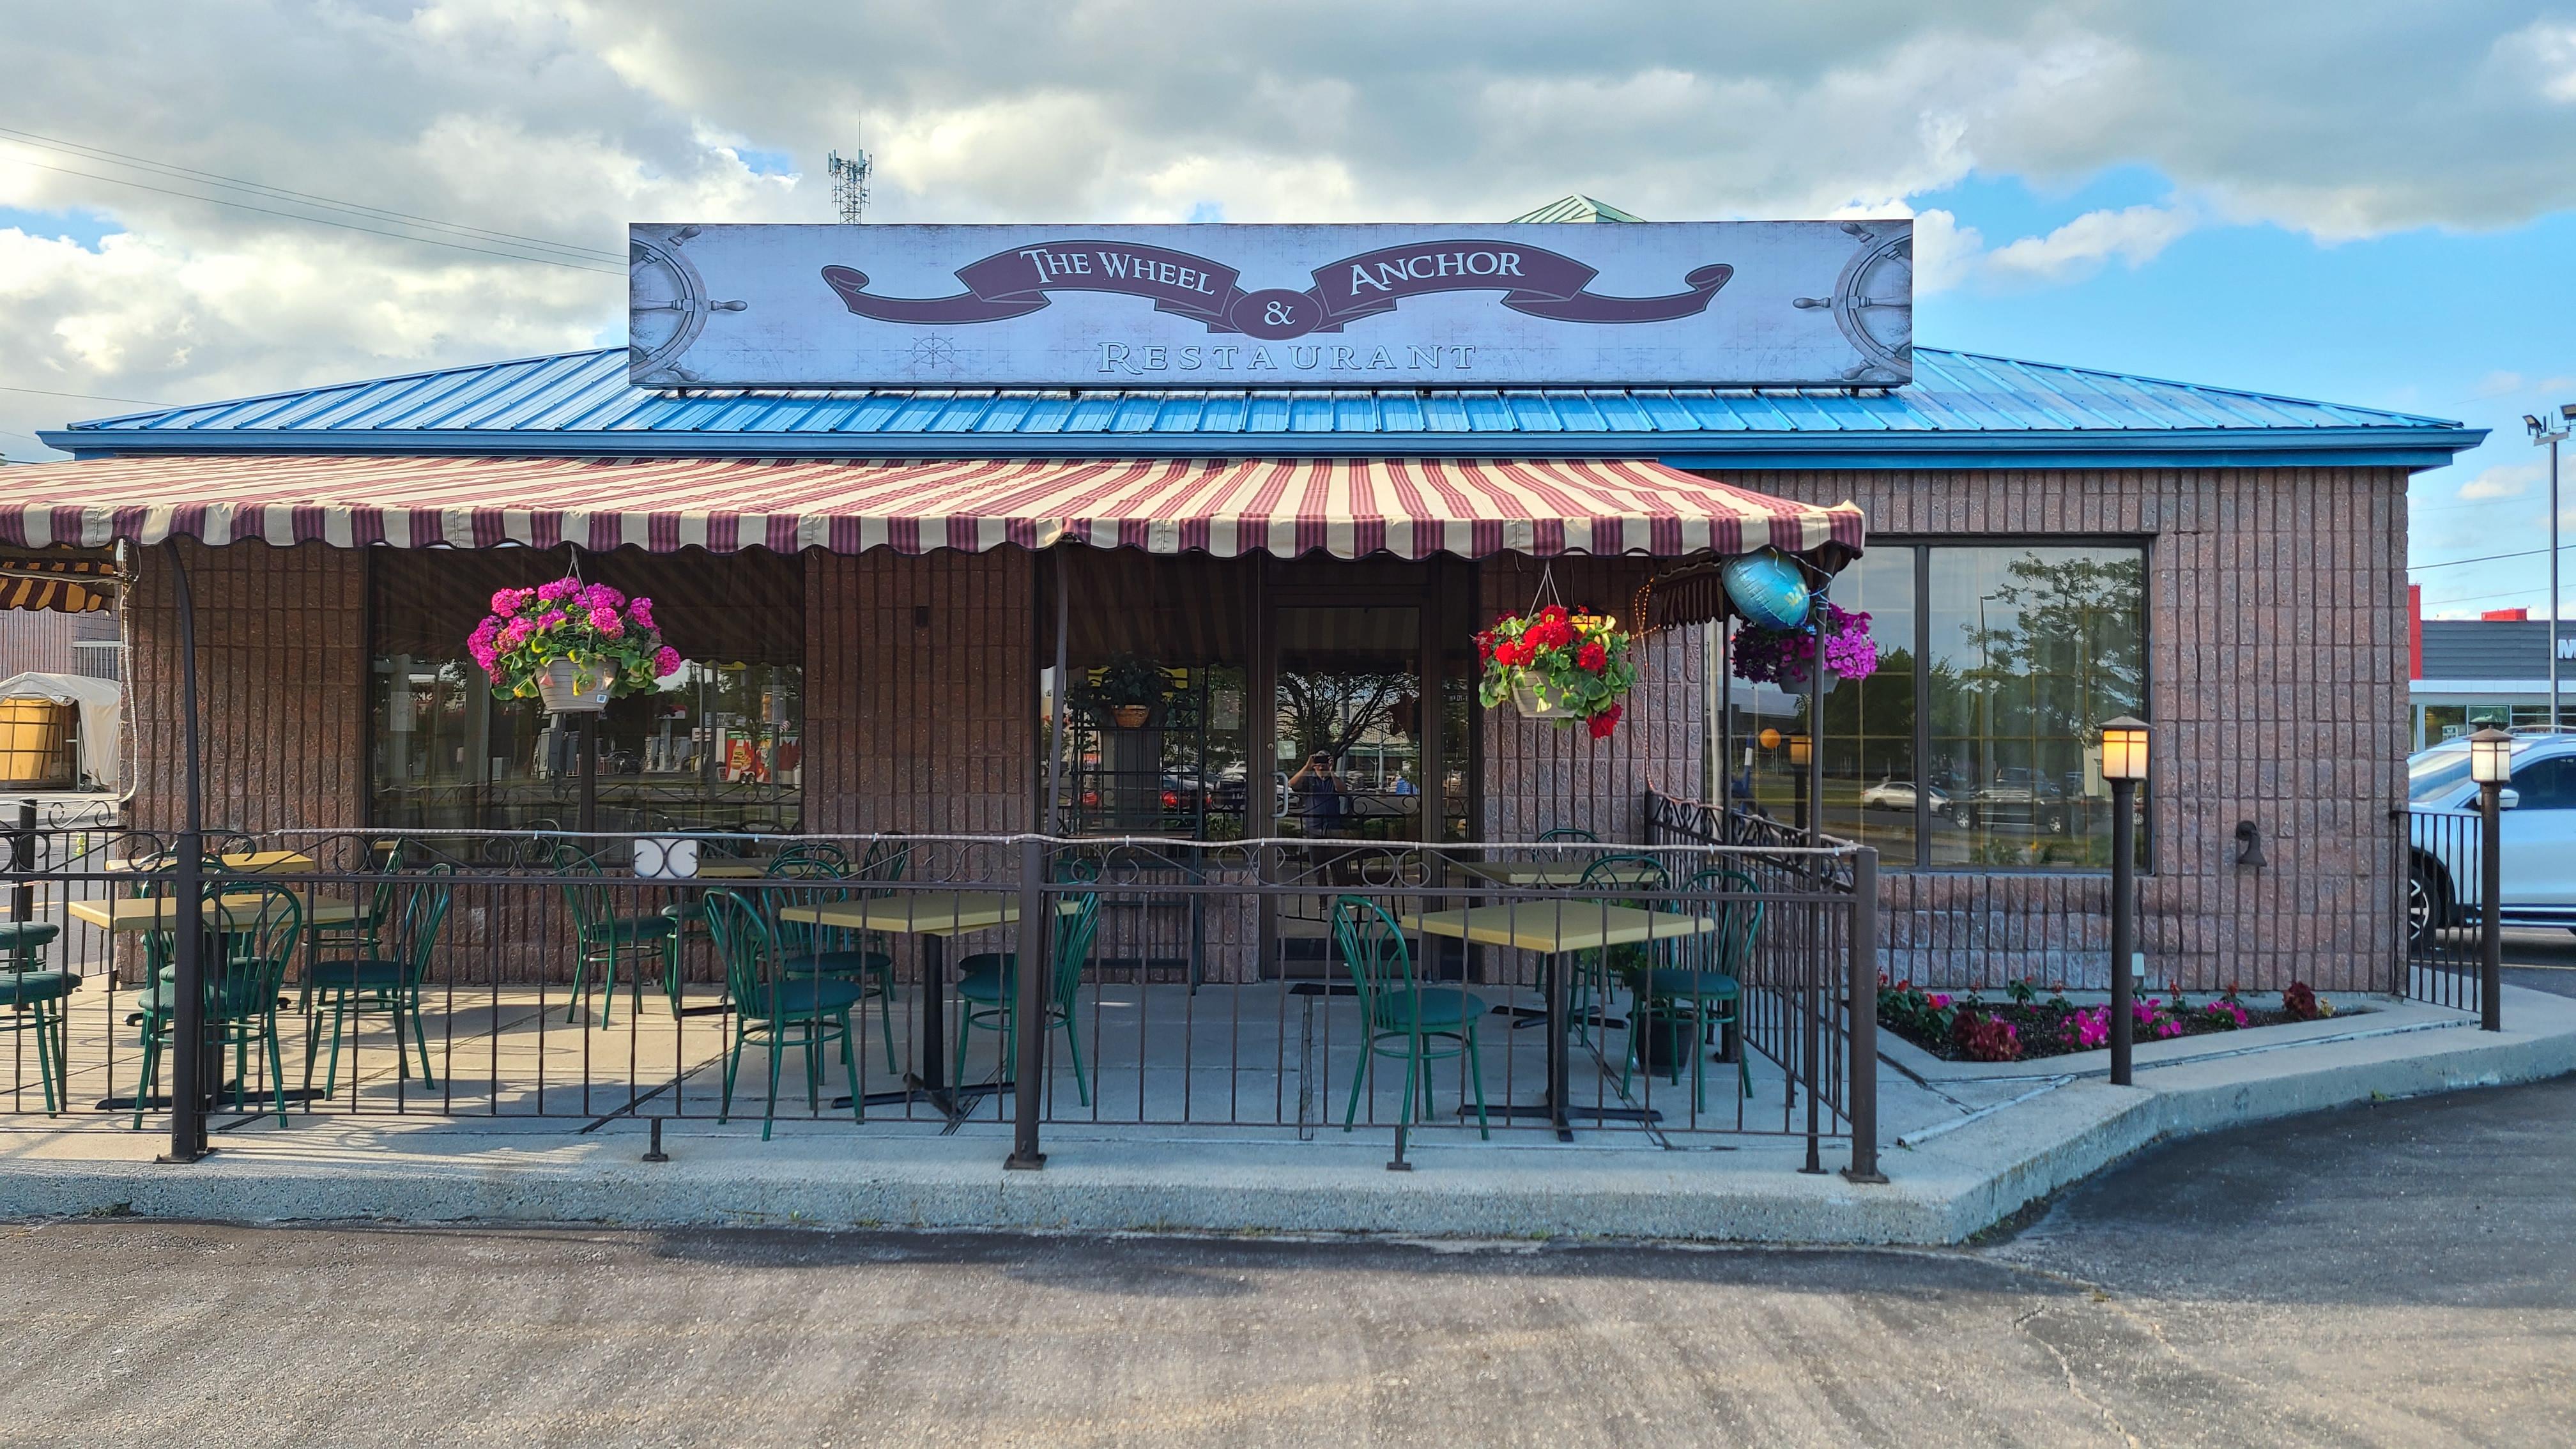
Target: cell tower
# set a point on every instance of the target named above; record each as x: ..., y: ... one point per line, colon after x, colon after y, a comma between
x: 850, y: 185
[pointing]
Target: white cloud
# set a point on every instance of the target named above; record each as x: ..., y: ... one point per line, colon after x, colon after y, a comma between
x: 2133, y: 235
x: 565, y: 119
x: 2505, y: 480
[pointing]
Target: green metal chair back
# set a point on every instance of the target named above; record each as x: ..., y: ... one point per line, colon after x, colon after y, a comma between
x: 1073, y: 933
x: 810, y: 860
x: 1730, y: 947
x: 886, y: 860
x: 1380, y: 960
x: 381, y: 903
x: 1568, y: 832
x: 581, y: 877
x: 749, y: 949
x: 1629, y: 872
x: 424, y: 912
x: 254, y: 936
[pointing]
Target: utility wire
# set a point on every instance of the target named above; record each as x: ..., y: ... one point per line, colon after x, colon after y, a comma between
x: 324, y: 220
x: 2484, y: 558
x: 50, y: 143
x: 83, y: 396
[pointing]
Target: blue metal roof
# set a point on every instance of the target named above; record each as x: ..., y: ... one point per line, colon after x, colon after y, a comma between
x: 1961, y: 411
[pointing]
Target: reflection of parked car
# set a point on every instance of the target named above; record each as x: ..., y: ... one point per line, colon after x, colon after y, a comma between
x: 2013, y: 797
x: 1899, y: 795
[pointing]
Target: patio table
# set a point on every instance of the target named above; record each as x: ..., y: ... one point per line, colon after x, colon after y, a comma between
x: 1556, y: 929
x: 934, y: 916
x: 155, y: 913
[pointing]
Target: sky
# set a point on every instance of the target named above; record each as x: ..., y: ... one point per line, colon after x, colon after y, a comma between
x: 2363, y: 201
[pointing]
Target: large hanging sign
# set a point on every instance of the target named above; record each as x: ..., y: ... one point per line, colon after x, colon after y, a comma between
x: 1670, y: 304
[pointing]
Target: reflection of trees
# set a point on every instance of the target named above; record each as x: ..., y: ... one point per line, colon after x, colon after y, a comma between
x: 2060, y: 640
x: 1325, y: 713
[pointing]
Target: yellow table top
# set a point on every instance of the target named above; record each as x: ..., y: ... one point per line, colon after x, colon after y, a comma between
x: 129, y: 913
x: 1551, y: 873
x: 1550, y: 927
x: 245, y: 862
x: 920, y: 913
x: 732, y: 869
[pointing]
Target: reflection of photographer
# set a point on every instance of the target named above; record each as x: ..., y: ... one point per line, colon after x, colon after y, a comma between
x: 1319, y: 795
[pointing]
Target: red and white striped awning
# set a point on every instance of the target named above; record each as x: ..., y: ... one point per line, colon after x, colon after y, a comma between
x: 1224, y: 506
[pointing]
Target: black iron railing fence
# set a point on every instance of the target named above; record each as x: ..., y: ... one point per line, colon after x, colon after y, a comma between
x: 1676, y: 990
x: 2442, y: 905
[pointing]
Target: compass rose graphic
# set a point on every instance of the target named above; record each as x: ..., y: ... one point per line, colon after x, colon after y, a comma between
x: 935, y: 353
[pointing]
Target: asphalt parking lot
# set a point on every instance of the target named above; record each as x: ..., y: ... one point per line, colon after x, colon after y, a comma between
x: 2395, y: 1274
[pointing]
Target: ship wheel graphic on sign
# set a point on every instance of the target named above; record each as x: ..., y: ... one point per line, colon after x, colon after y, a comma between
x: 667, y: 306
x: 1873, y: 302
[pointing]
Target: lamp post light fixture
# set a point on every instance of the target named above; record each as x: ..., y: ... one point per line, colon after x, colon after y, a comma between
x: 2543, y: 435
x: 1800, y: 752
x: 2491, y: 765
x: 2124, y: 764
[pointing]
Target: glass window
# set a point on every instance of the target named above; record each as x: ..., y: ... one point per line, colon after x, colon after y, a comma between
x: 719, y: 746
x: 2545, y: 784
x: 2029, y: 649
x: 1973, y: 743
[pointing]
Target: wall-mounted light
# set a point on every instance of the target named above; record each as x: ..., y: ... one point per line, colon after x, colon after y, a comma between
x: 2249, y: 844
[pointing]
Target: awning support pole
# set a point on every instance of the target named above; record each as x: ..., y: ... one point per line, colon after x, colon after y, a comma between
x: 1037, y: 931
x: 188, y: 1057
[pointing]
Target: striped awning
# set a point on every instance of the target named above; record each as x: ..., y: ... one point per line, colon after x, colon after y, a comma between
x: 1223, y: 506
x: 62, y: 582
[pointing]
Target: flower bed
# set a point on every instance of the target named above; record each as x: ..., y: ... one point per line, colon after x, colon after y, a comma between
x: 2027, y: 1026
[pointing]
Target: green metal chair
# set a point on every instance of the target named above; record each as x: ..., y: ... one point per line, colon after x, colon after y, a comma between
x: 1567, y: 832
x: 1592, y: 972
x: 807, y: 949
x: 390, y: 984
x: 1704, y: 984
x: 358, y: 936
x: 782, y: 1013
x: 989, y: 997
x: 248, y: 945
x: 603, y: 938
x: 1400, y: 1010
x: 35, y: 999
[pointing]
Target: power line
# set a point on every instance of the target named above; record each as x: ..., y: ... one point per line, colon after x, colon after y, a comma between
x: 2486, y: 558
x: 84, y: 397
x: 30, y: 138
x: 321, y: 220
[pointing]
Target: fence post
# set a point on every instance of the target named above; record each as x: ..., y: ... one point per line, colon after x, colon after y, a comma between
x: 1863, y: 1049
x: 1029, y: 1014
x: 22, y: 864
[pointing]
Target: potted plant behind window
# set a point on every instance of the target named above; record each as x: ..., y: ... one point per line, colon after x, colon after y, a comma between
x: 571, y: 644
x: 1128, y: 691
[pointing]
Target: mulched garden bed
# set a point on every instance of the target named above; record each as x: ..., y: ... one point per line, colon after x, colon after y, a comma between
x: 2026, y: 1026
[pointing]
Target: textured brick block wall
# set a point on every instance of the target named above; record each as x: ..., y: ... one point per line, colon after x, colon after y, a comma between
x: 913, y: 726
x: 2277, y: 660
x: 1539, y: 777
x: 281, y: 671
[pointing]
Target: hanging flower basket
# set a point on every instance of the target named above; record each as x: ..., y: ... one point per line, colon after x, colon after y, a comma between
x: 1783, y: 656
x: 572, y: 645
x: 569, y: 688
x: 1558, y: 667
x: 1131, y: 716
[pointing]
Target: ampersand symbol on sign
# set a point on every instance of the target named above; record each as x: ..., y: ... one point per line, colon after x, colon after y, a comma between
x: 1279, y: 314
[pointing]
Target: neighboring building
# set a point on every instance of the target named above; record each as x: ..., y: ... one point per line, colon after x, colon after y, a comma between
x: 2492, y: 670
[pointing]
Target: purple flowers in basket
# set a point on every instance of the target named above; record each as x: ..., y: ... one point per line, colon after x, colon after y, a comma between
x: 594, y: 626
x: 1783, y: 656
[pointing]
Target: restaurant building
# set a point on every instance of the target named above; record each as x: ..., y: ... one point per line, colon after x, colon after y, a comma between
x: 866, y: 578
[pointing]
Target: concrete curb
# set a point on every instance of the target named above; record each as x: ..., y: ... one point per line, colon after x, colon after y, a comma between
x: 1946, y: 1190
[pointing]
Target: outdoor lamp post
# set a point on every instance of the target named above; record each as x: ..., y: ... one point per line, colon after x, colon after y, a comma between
x: 2124, y: 764
x: 2543, y: 434
x: 1800, y: 752
x: 2491, y: 765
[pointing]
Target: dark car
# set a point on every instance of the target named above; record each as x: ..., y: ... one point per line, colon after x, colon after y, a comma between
x: 2013, y: 797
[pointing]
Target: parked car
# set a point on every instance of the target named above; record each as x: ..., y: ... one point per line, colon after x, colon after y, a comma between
x: 1899, y: 795
x: 2013, y: 797
x: 2536, y: 830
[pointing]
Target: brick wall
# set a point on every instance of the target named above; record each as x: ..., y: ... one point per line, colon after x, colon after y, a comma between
x: 2277, y: 641
x: 281, y: 669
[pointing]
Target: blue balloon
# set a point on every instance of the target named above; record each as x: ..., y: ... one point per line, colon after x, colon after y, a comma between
x: 1768, y: 589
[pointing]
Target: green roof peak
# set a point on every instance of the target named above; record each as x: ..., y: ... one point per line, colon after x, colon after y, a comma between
x: 1577, y: 207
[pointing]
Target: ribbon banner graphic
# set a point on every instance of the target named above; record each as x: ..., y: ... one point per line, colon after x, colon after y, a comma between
x: 1532, y: 280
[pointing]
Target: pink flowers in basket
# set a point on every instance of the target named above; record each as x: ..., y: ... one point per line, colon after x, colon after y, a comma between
x: 594, y: 626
